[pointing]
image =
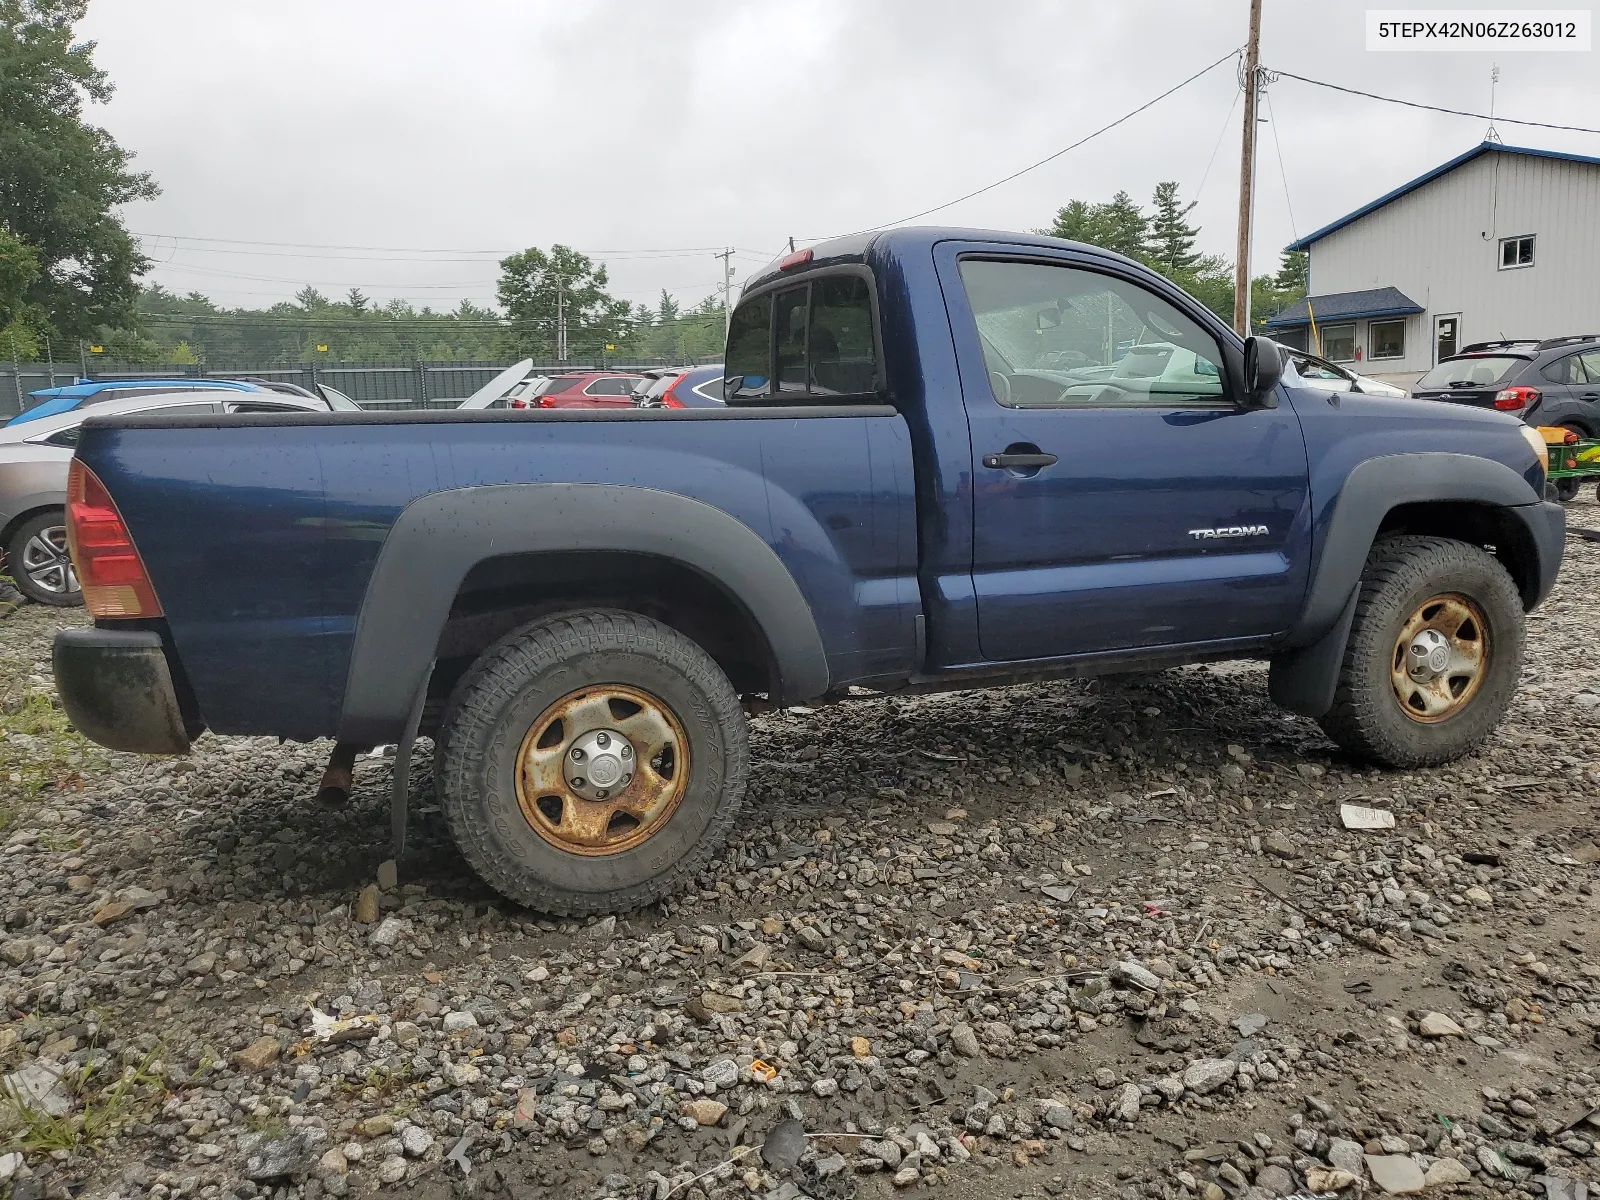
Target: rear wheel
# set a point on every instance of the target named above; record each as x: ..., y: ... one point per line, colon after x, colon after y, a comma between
x: 1567, y: 489
x: 1433, y: 656
x: 592, y: 762
x: 37, y: 559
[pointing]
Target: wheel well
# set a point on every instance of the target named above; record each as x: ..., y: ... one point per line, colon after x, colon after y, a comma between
x: 501, y: 594
x: 21, y: 519
x: 1486, y: 525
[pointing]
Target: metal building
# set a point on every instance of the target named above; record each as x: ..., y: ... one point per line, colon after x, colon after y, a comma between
x: 1499, y: 242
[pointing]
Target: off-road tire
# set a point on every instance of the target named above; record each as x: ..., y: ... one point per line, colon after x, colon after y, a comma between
x: 1567, y: 489
x: 504, y: 692
x: 14, y: 559
x: 1401, y: 574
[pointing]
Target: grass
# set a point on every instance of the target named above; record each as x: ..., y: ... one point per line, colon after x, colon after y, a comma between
x: 95, y: 1111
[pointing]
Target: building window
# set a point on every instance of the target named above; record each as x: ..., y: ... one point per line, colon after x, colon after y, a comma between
x: 1388, y: 339
x: 1516, y: 252
x: 1339, y: 342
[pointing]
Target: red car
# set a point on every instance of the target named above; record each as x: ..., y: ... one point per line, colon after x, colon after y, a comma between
x: 588, y: 389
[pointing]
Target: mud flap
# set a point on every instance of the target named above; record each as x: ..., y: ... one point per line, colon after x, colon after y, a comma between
x: 1304, y: 680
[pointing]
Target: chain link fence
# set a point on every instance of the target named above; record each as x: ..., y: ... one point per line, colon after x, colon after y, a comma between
x: 391, y: 386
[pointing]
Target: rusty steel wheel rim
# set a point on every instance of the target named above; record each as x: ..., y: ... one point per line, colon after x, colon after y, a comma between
x: 602, y: 770
x: 1440, y: 658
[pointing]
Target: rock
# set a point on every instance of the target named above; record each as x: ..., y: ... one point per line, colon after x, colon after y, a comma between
x: 415, y: 1140
x: 754, y: 959
x: 17, y: 952
x: 1208, y: 1074
x: 885, y: 1152
x: 1477, y: 896
x: 1347, y: 1156
x: 906, y: 1176
x: 1279, y: 844
x: 10, y: 1164
x: 379, y: 1126
x: 825, y: 1088
x: 1139, y: 976
x: 332, y: 1162
x: 1128, y: 1102
x: 42, y: 1086
x: 828, y: 1165
x: 388, y: 875
x: 716, y: 1002
x: 285, y: 1157
x: 964, y: 1041
x: 1445, y: 1171
x: 1435, y: 1025
x: 860, y: 1047
x: 1275, y: 1179
x: 258, y: 1055
x: 459, y: 1021
x: 390, y: 930
x: 785, y: 1144
x: 1396, y: 1174
x: 811, y: 938
x: 392, y: 1169
x: 723, y: 1073
x: 1360, y: 816
x: 704, y: 1112
x: 1329, y: 1179
x: 366, y: 908
x: 1250, y: 1024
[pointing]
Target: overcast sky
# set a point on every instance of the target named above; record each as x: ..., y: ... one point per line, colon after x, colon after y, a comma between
x: 634, y: 128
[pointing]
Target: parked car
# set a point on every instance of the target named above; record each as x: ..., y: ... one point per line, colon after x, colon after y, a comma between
x: 334, y: 398
x: 689, y: 387
x: 1318, y: 372
x: 898, y: 495
x: 587, y: 389
x: 648, y: 379
x: 1554, y: 382
x: 33, y: 478
x: 51, y: 401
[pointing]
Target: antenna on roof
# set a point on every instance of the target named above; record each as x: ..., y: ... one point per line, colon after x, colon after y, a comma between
x: 1493, y: 134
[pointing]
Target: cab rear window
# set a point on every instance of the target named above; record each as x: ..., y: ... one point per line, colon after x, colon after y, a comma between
x: 811, y: 343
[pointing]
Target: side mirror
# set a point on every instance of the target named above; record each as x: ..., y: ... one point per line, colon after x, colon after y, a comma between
x: 1263, y: 368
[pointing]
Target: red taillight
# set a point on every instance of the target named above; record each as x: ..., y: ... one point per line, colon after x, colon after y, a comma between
x: 518, y: 402
x: 1512, y: 399
x: 668, y: 400
x: 110, y: 572
x: 546, y: 402
x: 798, y: 259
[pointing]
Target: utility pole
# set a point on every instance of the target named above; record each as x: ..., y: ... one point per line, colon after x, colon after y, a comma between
x: 727, y: 289
x: 561, y: 320
x: 1247, y: 174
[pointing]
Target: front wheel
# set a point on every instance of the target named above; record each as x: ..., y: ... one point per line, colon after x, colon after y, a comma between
x: 592, y: 762
x: 37, y: 559
x: 1434, y: 654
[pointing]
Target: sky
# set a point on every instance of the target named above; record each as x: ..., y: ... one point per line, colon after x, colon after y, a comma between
x: 402, y: 146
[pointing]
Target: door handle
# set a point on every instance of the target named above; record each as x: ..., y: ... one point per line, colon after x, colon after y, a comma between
x: 1014, y: 462
x: 1589, y: 395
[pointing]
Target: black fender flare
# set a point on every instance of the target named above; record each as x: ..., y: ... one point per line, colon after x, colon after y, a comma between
x: 439, y: 537
x: 1305, y: 673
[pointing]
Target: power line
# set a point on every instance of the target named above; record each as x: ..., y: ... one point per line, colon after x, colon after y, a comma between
x: 1453, y: 112
x: 1049, y: 158
x: 183, y: 237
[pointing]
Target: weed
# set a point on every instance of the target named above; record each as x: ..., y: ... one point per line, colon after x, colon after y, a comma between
x: 96, y: 1110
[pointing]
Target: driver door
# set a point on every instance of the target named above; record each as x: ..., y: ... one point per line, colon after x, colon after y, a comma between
x: 1121, y: 497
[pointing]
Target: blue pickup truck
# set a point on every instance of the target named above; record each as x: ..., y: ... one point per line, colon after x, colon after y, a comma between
x: 948, y: 459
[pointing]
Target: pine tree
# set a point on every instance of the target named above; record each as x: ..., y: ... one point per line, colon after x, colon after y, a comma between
x: 1172, y: 237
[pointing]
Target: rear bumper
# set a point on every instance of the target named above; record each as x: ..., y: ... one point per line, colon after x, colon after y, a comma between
x: 1547, y: 526
x: 117, y: 689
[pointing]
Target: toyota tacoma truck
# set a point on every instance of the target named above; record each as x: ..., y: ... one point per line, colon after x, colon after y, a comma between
x: 948, y: 459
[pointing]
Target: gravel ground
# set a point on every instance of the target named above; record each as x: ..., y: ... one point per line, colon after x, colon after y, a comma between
x: 1079, y: 940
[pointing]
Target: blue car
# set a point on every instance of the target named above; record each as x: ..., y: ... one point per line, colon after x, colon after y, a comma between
x: 696, y: 387
x: 50, y: 401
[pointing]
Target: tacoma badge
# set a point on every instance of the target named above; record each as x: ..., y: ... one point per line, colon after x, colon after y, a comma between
x: 1228, y: 531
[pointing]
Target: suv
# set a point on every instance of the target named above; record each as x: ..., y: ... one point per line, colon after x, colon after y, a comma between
x: 587, y: 389
x: 1551, y: 382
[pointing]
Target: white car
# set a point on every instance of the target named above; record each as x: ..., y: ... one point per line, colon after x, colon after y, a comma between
x: 1331, y: 377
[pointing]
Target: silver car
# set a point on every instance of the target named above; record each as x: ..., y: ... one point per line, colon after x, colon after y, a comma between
x: 33, y: 480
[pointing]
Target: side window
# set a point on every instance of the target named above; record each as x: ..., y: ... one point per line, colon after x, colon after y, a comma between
x: 1563, y: 370
x: 262, y: 406
x: 842, y: 354
x: 64, y: 437
x: 789, y: 330
x: 1061, y: 337
x: 1590, y: 360
x: 749, y: 361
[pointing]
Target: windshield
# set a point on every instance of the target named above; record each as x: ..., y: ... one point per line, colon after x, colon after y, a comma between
x: 1479, y: 371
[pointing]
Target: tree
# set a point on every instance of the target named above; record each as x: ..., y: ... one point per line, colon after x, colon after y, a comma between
x: 21, y: 320
x: 1172, y: 238
x: 535, y: 284
x: 1294, y: 273
x: 1119, y: 225
x: 357, y: 300
x: 61, y: 179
